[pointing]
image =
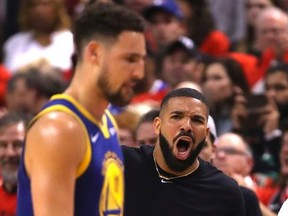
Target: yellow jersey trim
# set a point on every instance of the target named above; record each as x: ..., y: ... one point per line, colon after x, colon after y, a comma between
x: 103, y: 127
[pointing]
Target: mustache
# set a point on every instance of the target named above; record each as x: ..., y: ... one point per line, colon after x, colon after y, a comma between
x: 10, y: 160
x: 184, y: 133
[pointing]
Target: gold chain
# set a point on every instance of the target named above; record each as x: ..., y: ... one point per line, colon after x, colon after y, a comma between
x: 174, y: 177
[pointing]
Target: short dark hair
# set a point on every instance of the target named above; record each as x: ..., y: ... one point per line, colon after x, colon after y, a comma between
x: 11, y: 118
x: 184, y: 92
x: 282, y: 67
x: 46, y: 83
x: 148, y: 117
x: 104, y: 21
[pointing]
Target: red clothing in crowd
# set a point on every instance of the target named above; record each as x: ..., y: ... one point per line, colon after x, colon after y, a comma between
x: 249, y: 65
x: 215, y: 44
x: 8, y: 202
x: 4, y: 77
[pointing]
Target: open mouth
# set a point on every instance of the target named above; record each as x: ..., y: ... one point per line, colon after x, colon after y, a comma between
x: 183, y: 148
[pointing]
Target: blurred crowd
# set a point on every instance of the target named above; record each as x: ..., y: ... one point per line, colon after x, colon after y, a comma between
x: 234, y: 52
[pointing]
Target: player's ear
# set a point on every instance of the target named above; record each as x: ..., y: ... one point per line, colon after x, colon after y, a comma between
x: 157, y: 124
x: 93, y: 52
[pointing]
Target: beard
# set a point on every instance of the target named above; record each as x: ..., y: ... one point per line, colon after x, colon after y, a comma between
x: 172, y: 162
x: 115, y: 97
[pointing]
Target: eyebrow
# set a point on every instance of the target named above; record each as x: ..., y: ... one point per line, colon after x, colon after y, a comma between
x: 182, y: 113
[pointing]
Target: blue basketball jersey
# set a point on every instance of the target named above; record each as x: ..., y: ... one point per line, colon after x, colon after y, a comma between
x: 100, y: 180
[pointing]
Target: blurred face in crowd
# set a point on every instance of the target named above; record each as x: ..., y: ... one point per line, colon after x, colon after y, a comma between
x: 11, y: 138
x: 284, y: 154
x: 253, y: 8
x: 126, y: 137
x: 232, y: 156
x: 21, y: 98
x: 217, y: 85
x: 145, y: 134
x: 207, y: 152
x: 46, y: 13
x: 276, y: 85
x: 179, y: 67
x: 272, y: 29
x: 182, y: 129
x: 166, y: 28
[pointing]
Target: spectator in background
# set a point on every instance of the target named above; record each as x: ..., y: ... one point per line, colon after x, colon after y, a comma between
x: 12, y: 132
x: 165, y: 19
x: 253, y: 8
x: 229, y: 18
x: 223, y: 79
x: 208, y: 151
x: 144, y: 131
x: 263, y: 118
x: 271, y: 40
x: 45, y: 34
x: 200, y: 27
x: 180, y: 62
x: 276, y: 89
x: 281, y: 195
x: 234, y: 157
x: 126, y: 121
x: 30, y: 89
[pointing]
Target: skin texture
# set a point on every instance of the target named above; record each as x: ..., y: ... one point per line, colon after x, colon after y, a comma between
x: 240, y: 162
x: 145, y: 134
x: 218, y: 85
x: 11, y: 138
x: 58, y: 137
x: 181, y: 114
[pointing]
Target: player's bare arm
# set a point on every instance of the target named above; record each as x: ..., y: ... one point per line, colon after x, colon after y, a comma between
x: 55, y: 148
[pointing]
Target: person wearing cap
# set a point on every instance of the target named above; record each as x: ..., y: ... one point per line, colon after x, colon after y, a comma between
x: 181, y: 61
x: 165, y: 19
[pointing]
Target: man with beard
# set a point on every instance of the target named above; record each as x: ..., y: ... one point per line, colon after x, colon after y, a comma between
x: 72, y: 163
x: 170, y: 179
x: 12, y: 131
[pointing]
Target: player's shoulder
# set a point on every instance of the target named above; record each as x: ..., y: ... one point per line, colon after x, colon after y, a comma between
x: 55, y: 122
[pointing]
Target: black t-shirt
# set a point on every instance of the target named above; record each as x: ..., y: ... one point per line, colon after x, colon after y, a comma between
x: 205, y: 192
x: 251, y: 202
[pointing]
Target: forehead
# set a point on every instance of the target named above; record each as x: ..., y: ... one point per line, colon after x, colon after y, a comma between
x: 266, y: 2
x: 130, y: 42
x: 230, y: 141
x: 188, y: 105
x: 271, y: 18
x: 15, y: 129
x: 216, y: 68
x: 278, y: 76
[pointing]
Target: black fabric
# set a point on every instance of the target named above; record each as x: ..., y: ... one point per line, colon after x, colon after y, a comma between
x: 205, y: 192
x: 251, y: 202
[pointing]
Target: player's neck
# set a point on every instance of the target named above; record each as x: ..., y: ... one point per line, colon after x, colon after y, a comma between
x: 89, y: 100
